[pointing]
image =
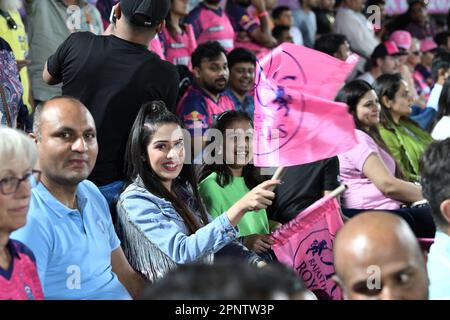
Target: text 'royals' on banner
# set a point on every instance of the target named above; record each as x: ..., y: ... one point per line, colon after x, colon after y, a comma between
x: 305, y: 244
x: 295, y: 120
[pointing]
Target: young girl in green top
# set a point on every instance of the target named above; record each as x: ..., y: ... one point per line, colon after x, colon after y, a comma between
x: 405, y: 139
x: 232, y: 175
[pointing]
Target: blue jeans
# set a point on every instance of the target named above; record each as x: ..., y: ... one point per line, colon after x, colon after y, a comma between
x: 111, y: 192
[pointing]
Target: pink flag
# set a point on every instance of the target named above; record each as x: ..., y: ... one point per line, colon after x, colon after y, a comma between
x: 308, y: 70
x: 292, y: 128
x: 295, y: 121
x: 306, y: 245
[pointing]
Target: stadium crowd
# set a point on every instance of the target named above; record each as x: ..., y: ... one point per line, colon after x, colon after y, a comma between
x: 105, y: 111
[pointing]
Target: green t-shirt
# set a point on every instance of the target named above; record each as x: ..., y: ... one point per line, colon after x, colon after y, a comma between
x: 218, y: 200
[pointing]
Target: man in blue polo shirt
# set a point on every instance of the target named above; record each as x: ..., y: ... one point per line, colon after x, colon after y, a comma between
x: 69, y: 226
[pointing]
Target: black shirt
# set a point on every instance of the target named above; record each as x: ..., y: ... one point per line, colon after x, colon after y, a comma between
x: 303, y: 185
x: 325, y: 20
x: 113, y: 78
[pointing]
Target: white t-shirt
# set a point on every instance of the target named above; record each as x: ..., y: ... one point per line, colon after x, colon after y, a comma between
x: 296, y: 35
x: 442, y: 129
x: 358, y: 30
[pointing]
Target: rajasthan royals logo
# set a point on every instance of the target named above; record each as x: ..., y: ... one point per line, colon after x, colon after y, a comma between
x: 314, y: 263
x: 29, y: 292
x: 276, y: 124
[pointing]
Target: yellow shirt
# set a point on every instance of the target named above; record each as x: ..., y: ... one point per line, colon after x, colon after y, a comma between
x: 18, y: 41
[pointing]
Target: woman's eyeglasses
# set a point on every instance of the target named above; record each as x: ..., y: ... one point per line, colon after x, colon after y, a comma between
x: 11, y: 185
x: 416, y: 53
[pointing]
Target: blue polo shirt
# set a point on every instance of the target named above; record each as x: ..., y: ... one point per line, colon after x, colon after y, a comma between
x: 438, y: 266
x: 73, y: 247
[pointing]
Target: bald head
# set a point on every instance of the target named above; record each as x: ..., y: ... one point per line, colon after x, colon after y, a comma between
x: 65, y: 133
x: 376, y: 255
x: 57, y: 104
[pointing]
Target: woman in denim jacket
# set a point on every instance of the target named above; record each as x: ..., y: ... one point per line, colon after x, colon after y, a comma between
x: 161, y: 219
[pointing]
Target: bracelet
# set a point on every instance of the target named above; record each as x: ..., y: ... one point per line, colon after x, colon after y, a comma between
x: 263, y: 14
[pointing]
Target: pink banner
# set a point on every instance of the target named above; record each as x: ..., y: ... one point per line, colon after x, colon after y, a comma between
x: 394, y: 7
x: 306, y: 245
x: 295, y: 120
x: 308, y: 70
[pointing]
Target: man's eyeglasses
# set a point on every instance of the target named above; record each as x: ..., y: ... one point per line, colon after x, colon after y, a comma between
x: 11, y: 185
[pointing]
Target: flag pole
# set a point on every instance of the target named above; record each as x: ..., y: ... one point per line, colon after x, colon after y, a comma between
x: 277, y: 176
x: 336, y: 192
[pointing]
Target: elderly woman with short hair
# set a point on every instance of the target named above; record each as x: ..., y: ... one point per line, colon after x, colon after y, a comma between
x: 18, y: 275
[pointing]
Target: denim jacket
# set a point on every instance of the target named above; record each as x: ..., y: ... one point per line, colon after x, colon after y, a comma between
x: 156, y: 240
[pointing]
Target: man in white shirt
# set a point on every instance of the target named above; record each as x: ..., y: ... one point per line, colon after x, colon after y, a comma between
x: 355, y: 26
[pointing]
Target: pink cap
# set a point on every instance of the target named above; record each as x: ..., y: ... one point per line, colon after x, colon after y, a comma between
x: 391, y: 47
x: 402, y: 39
x: 387, y: 48
x: 427, y: 45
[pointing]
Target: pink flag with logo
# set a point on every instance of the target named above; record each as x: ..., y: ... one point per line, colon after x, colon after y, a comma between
x: 295, y: 119
x: 306, y: 245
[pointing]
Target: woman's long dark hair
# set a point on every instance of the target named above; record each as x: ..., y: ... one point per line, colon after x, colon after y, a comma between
x: 151, y: 116
x: 444, y: 102
x: 387, y: 85
x: 250, y: 173
x: 351, y: 94
x: 171, y: 27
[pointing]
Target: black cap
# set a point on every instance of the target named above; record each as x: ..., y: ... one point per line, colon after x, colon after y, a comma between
x: 423, y: 2
x: 145, y: 13
x: 387, y: 48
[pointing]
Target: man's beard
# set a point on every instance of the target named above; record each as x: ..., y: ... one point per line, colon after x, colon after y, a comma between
x: 10, y: 5
x: 214, y: 89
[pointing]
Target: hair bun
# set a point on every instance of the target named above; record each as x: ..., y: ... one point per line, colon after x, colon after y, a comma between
x: 157, y: 107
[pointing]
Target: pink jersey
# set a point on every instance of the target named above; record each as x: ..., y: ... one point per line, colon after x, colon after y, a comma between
x: 211, y: 25
x: 198, y: 110
x: 244, y: 23
x: 179, y: 50
x: 156, y: 47
x: 21, y: 280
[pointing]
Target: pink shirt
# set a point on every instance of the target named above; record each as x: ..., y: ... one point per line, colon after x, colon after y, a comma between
x: 198, y: 110
x: 21, y: 280
x: 362, y: 193
x: 244, y: 24
x: 179, y: 50
x: 211, y: 25
x: 156, y: 47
